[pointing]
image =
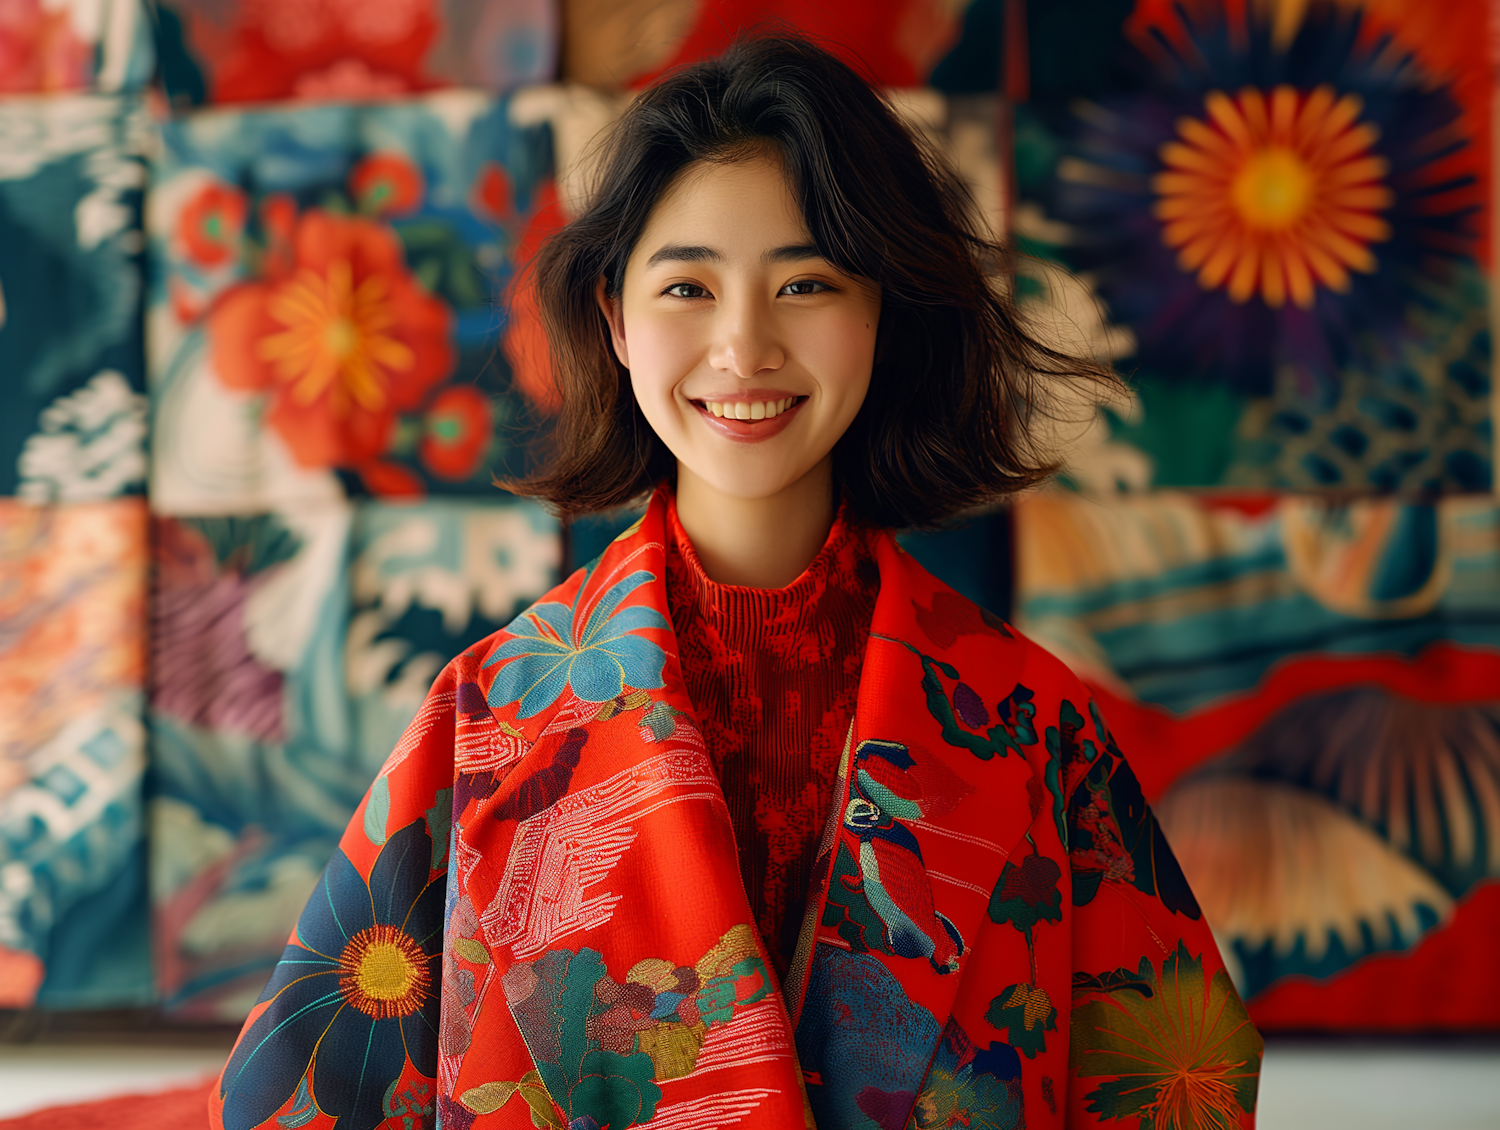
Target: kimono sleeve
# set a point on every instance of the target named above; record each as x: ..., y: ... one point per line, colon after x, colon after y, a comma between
x: 1158, y: 1032
x: 347, y: 1027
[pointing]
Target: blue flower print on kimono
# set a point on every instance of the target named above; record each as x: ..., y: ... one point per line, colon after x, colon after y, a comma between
x: 358, y: 988
x: 592, y: 652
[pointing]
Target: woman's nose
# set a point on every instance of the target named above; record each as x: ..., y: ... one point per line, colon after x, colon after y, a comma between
x: 745, y: 340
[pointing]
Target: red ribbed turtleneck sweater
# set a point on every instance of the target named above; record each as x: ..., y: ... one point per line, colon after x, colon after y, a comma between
x: 773, y: 675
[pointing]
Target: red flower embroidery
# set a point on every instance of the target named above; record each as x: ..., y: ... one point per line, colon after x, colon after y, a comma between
x: 494, y: 194
x: 341, y: 340
x: 457, y: 432
x: 1033, y: 883
x: 209, y: 226
x: 387, y: 184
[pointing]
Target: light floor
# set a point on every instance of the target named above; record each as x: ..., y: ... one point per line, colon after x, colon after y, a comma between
x: 1303, y: 1087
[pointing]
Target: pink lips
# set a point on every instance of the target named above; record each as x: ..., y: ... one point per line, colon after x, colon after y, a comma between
x: 749, y: 431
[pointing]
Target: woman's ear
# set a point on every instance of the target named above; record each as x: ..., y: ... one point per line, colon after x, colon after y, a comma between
x: 614, y: 316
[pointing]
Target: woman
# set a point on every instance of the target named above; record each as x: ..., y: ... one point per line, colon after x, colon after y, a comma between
x: 752, y: 821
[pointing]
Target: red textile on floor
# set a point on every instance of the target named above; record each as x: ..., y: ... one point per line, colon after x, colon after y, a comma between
x: 773, y: 675
x: 185, y: 1108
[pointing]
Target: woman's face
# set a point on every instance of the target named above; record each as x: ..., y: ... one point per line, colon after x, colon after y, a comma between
x: 748, y: 352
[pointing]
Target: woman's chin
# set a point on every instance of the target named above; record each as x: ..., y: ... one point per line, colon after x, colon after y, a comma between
x: 743, y: 484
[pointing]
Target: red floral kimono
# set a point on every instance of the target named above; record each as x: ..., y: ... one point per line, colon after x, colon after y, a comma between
x: 536, y: 918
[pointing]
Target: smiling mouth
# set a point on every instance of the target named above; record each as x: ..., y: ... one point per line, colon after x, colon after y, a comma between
x: 749, y: 411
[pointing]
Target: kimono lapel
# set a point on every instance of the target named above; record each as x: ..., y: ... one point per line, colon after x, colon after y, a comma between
x: 602, y: 871
x: 932, y: 806
x: 602, y: 867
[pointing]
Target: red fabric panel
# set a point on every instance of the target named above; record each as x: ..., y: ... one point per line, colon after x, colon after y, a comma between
x: 890, y: 42
x: 1167, y: 745
x: 1409, y: 992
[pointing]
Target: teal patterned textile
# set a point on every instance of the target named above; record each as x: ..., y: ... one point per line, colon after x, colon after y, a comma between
x: 291, y: 622
x: 72, y: 171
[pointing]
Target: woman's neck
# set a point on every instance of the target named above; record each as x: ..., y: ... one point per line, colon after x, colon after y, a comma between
x: 761, y: 543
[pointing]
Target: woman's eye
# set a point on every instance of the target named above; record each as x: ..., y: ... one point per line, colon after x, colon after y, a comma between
x: 804, y: 286
x: 686, y: 290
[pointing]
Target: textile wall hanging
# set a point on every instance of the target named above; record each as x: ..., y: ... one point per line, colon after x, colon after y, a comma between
x: 72, y: 550
x: 72, y: 417
x: 223, y: 51
x: 58, y: 46
x: 1283, y: 209
x: 73, y: 927
x: 953, y: 45
x: 392, y: 225
x: 289, y: 650
x: 1313, y: 689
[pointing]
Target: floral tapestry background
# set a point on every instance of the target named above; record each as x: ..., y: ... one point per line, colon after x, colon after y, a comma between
x: 267, y: 337
x: 1283, y: 209
x: 327, y: 303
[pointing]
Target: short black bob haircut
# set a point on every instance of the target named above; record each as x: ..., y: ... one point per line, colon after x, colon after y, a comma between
x: 948, y: 422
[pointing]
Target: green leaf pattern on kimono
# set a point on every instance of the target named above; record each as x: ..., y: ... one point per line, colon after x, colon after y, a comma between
x: 1182, y: 1054
x: 1025, y: 1013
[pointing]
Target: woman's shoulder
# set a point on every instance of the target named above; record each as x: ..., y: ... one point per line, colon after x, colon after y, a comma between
x: 600, y: 634
x: 952, y: 621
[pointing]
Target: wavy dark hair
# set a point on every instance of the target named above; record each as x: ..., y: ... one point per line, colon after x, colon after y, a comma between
x: 949, y: 422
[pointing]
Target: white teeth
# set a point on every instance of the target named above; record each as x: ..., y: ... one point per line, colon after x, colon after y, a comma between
x: 743, y: 410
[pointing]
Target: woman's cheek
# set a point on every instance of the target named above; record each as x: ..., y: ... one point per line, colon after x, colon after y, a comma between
x: 656, y: 369
x: 670, y: 350
x: 842, y: 353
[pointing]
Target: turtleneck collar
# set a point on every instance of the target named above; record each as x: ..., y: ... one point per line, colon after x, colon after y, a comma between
x: 742, y: 613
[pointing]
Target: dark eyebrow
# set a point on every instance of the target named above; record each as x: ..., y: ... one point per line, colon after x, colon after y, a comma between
x: 794, y: 253
x: 680, y: 253
x: 674, y: 253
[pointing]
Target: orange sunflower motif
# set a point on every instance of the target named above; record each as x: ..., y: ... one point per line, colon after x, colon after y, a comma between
x: 1274, y: 194
x: 342, y: 338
